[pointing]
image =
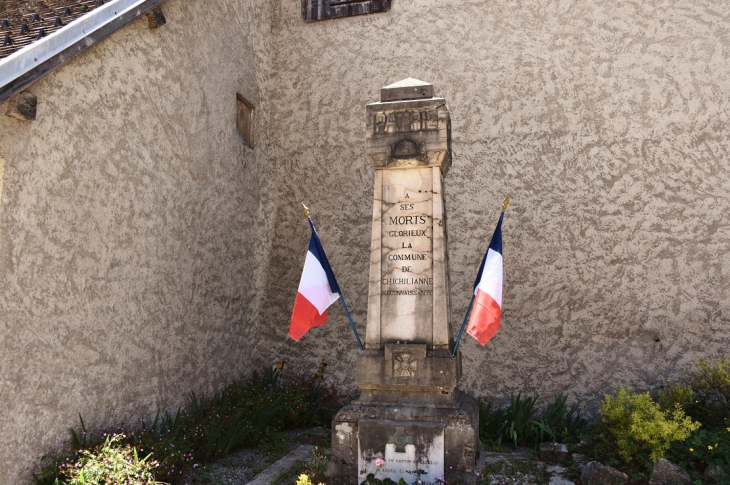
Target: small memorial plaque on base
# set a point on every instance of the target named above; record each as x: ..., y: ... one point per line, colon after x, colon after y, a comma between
x: 409, y: 449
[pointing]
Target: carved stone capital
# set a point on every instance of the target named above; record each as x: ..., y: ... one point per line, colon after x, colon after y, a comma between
x: 410, y: 129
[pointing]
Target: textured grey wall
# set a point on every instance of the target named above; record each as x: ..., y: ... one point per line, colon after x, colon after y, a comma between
x: 606, y: 121
x: 128, y: 228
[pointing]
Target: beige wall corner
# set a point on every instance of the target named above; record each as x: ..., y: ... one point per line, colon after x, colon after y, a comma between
x: 130, y: 225
x: 2, y: 176
x: 2, y: 173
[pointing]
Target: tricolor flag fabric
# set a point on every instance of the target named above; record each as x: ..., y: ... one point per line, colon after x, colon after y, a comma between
x: 486, y: 312
x: 318, y: 289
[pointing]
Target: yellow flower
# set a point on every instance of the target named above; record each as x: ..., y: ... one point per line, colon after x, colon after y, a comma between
x: 692, y: 450
x: 728, y: 430
x: 709, y: 447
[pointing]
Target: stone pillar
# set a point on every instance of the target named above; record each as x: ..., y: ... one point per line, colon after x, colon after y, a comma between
x: 408, y: 141
x: 410, y: 412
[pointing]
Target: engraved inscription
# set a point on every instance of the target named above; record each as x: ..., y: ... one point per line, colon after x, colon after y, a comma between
x: 406, y: 269
x: 405, y: 121
x: 408, y: 262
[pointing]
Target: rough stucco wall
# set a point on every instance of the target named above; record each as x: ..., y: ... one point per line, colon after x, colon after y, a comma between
x: 128, y: 225
x: 2, y: 175
x: 607, y: 122
x: 143, y: 249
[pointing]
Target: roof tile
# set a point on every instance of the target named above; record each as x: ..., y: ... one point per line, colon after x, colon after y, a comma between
x: 25, y: 21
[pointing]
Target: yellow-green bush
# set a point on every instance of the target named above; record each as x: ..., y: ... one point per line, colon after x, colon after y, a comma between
x: 711, y: 381
x: 639, y: 425
x: 674, y: 394
x: 112, y: 462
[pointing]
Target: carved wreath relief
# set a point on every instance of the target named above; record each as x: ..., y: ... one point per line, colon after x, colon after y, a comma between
x: 404, y: 364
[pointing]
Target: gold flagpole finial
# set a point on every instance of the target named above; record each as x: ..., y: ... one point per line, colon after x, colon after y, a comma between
x: 305, y: 209
x: 505, y: 203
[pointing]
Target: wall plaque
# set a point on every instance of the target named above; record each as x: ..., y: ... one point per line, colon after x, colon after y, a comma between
x: 313, y: 10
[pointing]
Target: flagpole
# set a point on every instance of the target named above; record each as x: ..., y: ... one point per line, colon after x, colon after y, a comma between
x: 347, y: 312
x: 466, y: 319
x: 505, y: 203
x: 308, y: 215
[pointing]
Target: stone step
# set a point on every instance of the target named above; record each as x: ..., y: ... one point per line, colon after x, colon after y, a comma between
x: 301, y: 453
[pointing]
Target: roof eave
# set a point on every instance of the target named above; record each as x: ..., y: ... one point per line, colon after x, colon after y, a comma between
x: 22, y: 68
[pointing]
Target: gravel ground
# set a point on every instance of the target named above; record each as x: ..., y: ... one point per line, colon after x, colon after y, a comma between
x: 242, y: 466
x: 235, y: 469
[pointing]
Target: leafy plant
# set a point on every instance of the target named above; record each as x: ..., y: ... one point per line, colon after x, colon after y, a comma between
x: 518, y: 423
x: 675, y: 394
x: 710, y: 381
x: 245, y: 413
x: 112, y: 462
x: 371, y: 480
x: 640, y: 426
x: 513, y: 423
x: 705, y: 448
x: 305, y: 480
x: 491, y: 423
x: 561, y: 423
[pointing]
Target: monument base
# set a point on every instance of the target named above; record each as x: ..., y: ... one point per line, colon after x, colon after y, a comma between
x: 414, y: 442
x: 410, y: 415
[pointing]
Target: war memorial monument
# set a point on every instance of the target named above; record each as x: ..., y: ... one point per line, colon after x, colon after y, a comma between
x: 410, y: 412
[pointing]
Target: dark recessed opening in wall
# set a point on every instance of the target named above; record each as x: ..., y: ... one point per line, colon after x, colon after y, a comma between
x: 244, y: 119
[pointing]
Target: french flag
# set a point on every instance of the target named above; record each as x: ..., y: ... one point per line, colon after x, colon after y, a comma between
x: 318, y: 289
x: 486, y: 313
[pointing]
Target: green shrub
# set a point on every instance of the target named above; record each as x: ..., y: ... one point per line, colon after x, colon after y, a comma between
x: 111, y: 462
x: 639, y: 425
x: 710, y: 381
x: 243, y: 414
x: 702, y: 449
x: 561, y: 423
x: 518, y: 425
x: 675, y: 394
x: 513, y: 423
x: 522, y: 424
x: 491, y: 423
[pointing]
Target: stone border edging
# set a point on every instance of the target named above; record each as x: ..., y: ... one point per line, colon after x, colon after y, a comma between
x: 301, y: 453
